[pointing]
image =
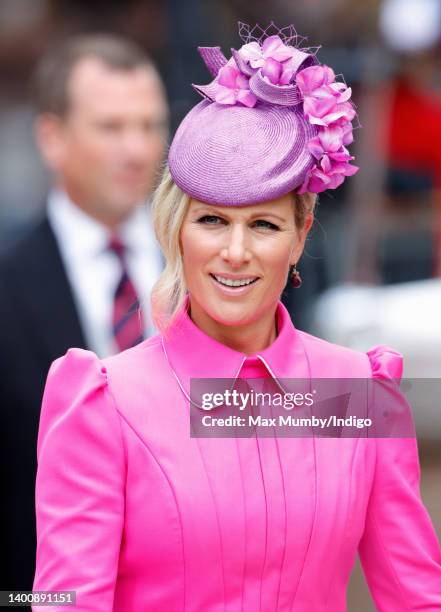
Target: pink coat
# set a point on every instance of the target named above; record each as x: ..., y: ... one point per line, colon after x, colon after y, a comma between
x: 135, y: 515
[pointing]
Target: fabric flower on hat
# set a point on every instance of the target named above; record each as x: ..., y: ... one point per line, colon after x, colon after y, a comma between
x: 273, y: 57
x: 333, y: 159
x: 328, y: 174
x: 326, y: 103
x: 232, y: 86
x: 325, y: 100
x: 332, y: 142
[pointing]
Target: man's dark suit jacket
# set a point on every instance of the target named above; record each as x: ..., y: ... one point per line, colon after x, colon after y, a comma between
x: 38, y: 324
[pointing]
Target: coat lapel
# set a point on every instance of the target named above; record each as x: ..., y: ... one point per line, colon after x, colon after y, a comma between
x: 45, y: 295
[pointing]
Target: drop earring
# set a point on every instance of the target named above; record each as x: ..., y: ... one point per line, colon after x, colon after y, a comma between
x: 296, y: 279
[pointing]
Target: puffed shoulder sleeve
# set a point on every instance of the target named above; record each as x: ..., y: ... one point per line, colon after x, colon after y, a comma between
x: 80, y: 484
x: 399, y: 550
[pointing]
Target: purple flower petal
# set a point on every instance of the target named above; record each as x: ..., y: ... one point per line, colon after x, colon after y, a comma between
x: 345, y: 95
x: 288, y: 71
x: 342, y: 111
x: 225, y: 95
x: 227, y: 76
x: 331, y: 138
x: 328, y: 75
x: 319, y: 108
x: 305, y: 82
x: 252, y: 53
x: 326, y: 165
x: 325, y: 92
x: 318, y: 182
x: 273, y: 47
x: 336, y: 180
x: 340, y: 156
x: 246, y: 97
x: 338, y: 86
x: 316, y: 121
x: 314, y: 77
x: 348, y: 137
x: 350, y: 170
x: 338, y: 168
x: 242, y: 81
x: 272, y: 70
x: 315, y: 181
x: 315, y: 147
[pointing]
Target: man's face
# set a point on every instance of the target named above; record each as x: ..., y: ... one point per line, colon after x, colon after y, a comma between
x: 110, y: 144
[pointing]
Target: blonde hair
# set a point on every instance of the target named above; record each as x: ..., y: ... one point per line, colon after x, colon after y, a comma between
x: 169, y: 208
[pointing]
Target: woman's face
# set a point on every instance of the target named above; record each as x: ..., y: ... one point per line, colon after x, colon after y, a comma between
x: 236, y: 259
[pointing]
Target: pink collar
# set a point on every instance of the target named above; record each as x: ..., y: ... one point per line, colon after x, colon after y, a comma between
x: 193, y: 354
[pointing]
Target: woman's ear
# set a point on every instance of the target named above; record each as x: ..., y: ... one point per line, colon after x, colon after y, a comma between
x: 309, y: 220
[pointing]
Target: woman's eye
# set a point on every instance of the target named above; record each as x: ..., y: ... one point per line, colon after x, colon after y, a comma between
x: 261, y: 223
x: 210, y: 220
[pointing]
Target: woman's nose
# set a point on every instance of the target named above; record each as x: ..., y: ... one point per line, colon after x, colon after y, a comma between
x: 236, y: 251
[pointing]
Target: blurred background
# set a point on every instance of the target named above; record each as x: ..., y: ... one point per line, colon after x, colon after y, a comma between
x: 371, y: 271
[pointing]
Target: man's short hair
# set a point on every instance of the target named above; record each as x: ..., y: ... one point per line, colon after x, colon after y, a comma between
x: 55, y: 67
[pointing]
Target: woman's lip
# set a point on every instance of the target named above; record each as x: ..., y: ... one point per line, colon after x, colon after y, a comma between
x: 233, y: 290
x: 235, y: 276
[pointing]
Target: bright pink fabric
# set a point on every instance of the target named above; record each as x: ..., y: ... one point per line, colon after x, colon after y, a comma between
x: 135, y: 515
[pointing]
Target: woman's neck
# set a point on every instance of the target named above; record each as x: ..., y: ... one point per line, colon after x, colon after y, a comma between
x: 249, y: 338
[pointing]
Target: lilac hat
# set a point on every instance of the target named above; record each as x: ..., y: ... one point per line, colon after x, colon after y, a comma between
x: 273, y: 121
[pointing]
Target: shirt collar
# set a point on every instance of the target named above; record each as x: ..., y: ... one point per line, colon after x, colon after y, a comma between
x: 92, y: 236
x: 137, y: 229
x: 193, y: 354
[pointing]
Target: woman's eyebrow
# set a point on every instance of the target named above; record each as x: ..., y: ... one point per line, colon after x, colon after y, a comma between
x: 268, y: 214
x: 208, y: 210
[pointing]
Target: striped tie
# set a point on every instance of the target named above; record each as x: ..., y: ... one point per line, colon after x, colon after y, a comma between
x: 127, y: 316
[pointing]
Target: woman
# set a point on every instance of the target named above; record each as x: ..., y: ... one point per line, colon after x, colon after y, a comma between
x: 135, y: 514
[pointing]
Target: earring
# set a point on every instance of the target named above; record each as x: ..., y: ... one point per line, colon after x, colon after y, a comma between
x: 296, y: 279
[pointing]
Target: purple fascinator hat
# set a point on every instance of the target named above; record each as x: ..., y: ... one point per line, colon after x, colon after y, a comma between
x: 272, y: 121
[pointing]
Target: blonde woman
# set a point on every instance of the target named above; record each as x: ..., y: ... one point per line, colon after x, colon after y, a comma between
x: 133, y: 513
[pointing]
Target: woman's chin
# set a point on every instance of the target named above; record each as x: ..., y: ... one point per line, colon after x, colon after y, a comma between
x: 235, y: 315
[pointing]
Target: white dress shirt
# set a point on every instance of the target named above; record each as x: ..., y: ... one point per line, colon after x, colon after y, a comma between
x: 94, y: 271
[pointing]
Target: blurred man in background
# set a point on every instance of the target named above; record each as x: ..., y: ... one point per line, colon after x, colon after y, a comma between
x: 82, y: 276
